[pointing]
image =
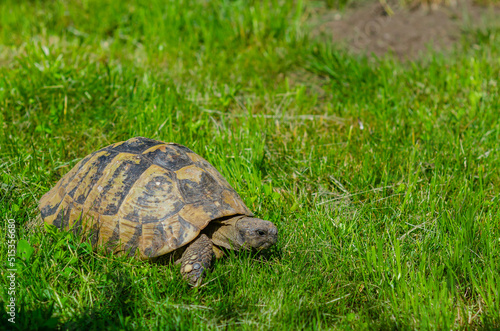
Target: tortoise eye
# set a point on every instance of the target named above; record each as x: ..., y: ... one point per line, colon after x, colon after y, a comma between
x: 261, y: 232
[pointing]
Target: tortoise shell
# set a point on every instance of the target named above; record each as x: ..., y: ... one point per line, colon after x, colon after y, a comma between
x: 141, y: 196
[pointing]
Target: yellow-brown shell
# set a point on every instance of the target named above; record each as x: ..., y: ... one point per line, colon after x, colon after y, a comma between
x: 141, y: 196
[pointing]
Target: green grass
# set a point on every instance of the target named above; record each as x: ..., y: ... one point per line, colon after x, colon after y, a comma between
x: 382, y: 177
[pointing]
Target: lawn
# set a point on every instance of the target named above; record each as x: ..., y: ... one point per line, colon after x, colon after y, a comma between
x: 382, y: 176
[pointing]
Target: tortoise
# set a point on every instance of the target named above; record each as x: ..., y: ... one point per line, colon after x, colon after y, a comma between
x: 152, y: 200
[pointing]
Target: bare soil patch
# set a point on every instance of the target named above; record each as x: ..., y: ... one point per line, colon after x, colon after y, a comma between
x: 405, y: 32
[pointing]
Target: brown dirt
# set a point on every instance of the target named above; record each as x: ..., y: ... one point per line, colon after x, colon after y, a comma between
x: 408, y: 32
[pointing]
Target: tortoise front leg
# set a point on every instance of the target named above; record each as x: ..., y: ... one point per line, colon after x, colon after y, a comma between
x: 196, y: 259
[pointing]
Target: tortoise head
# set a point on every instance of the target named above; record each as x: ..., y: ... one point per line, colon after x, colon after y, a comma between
x: 243, y: 232
x: 256, y: 233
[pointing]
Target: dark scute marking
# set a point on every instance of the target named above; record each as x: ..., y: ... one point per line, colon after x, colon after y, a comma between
x: 136, y: 145
x: 184, y: 230
x: 205, y: 165
x: 62, y: 219
x: 225, y: 205
x: 132, y: 251
x: 49, y: 210
x: 101, y: 163
x: 169, y: 160
x: 151, y: 186
x: 133, y: 217
x: 67, y: 213
x: 94, y: 234
x: 77, y: 226
x: 148, y: 191
x: 57, y: 221
x: 160, y: 237
x: 151, y: 219
x: 184, y: 149
x: 148, y: 252
x: 80, y: 166
x: 211, y: 209
x: 146, y: 218
x: 133, y: 243
x: 207, y: 188
x: 113, y: 240
x: 72, y: 192
x: 132, y: 175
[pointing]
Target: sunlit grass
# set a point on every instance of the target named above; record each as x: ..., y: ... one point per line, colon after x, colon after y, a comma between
x: 381, y: 176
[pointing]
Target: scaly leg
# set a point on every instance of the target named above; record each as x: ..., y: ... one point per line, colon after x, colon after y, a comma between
x: 196, y: 259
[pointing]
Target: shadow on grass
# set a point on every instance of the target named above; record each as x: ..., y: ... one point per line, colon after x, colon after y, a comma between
x: 111, y: 312
x: 36, y: 319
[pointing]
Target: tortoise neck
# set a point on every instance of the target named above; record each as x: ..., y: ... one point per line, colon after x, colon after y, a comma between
x: 224, y: 232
